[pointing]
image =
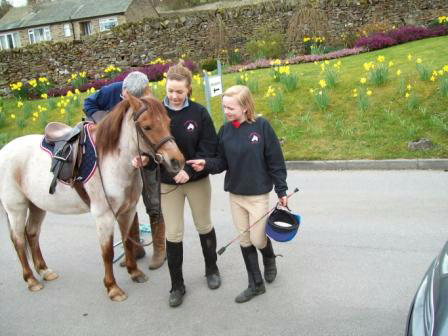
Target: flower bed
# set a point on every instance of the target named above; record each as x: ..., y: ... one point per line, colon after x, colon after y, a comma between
x: 399, y: 35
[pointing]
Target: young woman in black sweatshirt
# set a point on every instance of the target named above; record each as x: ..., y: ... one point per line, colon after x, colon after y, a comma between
x: 195, y: 135
x: 251, y: 155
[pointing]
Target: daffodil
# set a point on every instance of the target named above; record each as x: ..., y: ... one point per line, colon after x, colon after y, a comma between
x: 407, y: 95
x: 398, y: 72
x: 391, y: 64
x: 432, y: 78
x: 311, y: 91
x: 445, y: 68
x: 363, y: 80
x: 369, y: 92
x: 19, y: 104
x: 409, y: 57
x: 13, y: 116
x: 322, y: 83
x: 418, y: 61
x: 381, y: 58
x: 44, y: 96
x: 409, y: 87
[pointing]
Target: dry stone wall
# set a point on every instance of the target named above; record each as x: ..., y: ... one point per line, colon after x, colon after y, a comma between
x: 136, y: 44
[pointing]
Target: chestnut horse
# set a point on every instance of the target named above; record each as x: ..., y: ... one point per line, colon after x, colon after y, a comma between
x: 134, y: 126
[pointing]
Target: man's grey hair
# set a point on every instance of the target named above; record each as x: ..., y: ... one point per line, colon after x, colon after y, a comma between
x: 135, y: 83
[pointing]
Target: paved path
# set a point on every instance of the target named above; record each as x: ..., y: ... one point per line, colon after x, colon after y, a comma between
x: 367, y: 238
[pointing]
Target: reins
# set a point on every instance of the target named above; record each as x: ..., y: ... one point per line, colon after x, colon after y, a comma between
x: 158, y: 158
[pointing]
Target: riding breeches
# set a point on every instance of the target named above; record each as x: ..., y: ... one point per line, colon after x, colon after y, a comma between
x: 198, y: 194
x: 150, y: 191
x: 246, y: 210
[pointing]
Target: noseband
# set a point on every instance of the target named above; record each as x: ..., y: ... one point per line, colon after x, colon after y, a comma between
x: 154, y: 147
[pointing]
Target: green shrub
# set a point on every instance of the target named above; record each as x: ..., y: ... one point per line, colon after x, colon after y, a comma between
x: 290, y: 82
x: 266, y: 45
x: 379, y: 75
x: 424, y: 72
x: 209, y: 64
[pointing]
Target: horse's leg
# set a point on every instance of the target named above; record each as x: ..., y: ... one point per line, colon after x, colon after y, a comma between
x: 33, y: 226
x: 16, y: 219
x: 105, y: 229
x: 125, y: 222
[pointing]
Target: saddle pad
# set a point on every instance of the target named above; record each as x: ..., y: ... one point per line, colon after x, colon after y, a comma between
x: 88, y: 164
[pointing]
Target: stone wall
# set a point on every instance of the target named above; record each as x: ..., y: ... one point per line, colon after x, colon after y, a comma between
x: 136, y: 44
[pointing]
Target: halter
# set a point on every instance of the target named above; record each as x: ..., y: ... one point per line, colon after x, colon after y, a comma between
x: 154, y: 147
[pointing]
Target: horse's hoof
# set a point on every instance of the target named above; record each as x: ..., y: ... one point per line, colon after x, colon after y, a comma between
x: 139, y: 277
x: 117, y: 295
x: 49, y: 275
x: 34, y: 286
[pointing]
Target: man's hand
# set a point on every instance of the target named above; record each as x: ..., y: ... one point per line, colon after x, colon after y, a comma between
x: 198, y: 165
x: 181, y: 177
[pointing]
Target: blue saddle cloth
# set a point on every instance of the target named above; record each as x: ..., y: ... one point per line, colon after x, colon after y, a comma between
x: 88, y: 164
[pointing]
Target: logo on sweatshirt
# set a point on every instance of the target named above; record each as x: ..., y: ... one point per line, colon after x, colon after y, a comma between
x: 190, y: 126
x: 254, y: 138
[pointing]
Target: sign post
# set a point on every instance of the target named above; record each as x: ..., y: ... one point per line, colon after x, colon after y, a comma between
x: 213, y: 86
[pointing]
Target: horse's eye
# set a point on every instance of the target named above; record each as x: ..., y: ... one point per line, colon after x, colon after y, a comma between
x: 147, y: 128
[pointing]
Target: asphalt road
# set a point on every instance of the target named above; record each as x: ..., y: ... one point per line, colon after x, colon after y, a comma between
x: 366, y: 239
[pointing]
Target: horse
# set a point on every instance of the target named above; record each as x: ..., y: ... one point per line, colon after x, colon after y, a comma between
x: 134, y: 126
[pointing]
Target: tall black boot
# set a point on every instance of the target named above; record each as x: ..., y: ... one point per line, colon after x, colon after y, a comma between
x: 256, y: 284
x: 208, y: 243
x: 270, y: 268
x: 174, y: 252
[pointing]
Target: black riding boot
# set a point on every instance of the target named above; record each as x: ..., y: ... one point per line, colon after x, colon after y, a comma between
x: 174, y: 252
x: 256, y: 284
x: 208, y: 243
x: 270, y: 268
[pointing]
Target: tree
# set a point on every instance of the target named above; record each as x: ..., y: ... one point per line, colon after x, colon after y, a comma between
x: 4, y: 7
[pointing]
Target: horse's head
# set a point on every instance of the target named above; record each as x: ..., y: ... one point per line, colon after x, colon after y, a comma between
x: 153, y: 129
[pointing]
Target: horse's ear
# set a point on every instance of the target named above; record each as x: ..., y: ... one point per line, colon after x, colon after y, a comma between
x: 133, y: 101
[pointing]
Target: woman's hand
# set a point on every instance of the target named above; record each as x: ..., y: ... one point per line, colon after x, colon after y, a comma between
x: 198, y: 164
x: 181, y: 177
x: 283, y: 201
x: 140, y: 161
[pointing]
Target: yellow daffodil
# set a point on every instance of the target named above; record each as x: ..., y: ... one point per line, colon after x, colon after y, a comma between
x: 19, y: 104
x: 192, y: 99
x: 62, y: 110
x: 398, y: 72
x: 409, y: 57
x: 432, y: 78
x: 409, y: 87
x: 369, y: 92
x: 322, y: 83
x: 44, y: 96
x: 440, y: 72
x: 363, y: 80
x: 391, y: 64
x: 445, y: 68
x: 311, y: 91
x: 35, y: 114
x: 381, y: 58
x: 306, y: 39
x: 13, y: 116
x: 77, y: 91
x: 355, y: 95
x: 407, y: 95
x: 418, y: 61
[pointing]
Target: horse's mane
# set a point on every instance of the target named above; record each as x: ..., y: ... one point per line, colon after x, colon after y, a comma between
x: 109, y: 129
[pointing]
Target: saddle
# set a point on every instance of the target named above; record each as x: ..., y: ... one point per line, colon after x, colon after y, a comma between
x: 68, y: 143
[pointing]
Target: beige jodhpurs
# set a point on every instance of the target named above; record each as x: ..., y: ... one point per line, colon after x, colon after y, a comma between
x: 245, y: 211
x: 198, y: 194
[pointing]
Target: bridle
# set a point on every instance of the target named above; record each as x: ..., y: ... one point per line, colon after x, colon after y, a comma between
x: 158, y: 158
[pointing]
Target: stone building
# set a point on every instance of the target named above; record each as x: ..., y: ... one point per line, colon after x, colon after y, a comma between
x: 66, y: 20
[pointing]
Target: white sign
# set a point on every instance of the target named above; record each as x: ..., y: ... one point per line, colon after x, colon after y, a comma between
x: 215, y: 85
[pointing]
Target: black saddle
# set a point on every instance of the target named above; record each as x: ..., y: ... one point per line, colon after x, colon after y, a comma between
x: 66, y: 144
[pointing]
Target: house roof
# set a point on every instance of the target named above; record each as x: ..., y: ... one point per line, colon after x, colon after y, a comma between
x: 60, y: 11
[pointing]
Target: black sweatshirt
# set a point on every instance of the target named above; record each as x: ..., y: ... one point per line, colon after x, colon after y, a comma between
x: 253, y: 158
x: 195, y: 136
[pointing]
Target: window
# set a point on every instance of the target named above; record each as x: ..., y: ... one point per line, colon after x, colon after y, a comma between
x: 37, y: 35
x: 67, y: 29
x: 9, y: 41
x: 108, y: 23
x: 86, y: 28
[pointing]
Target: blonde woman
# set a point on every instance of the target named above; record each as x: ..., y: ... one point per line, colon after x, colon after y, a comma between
x: 250, y: 153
